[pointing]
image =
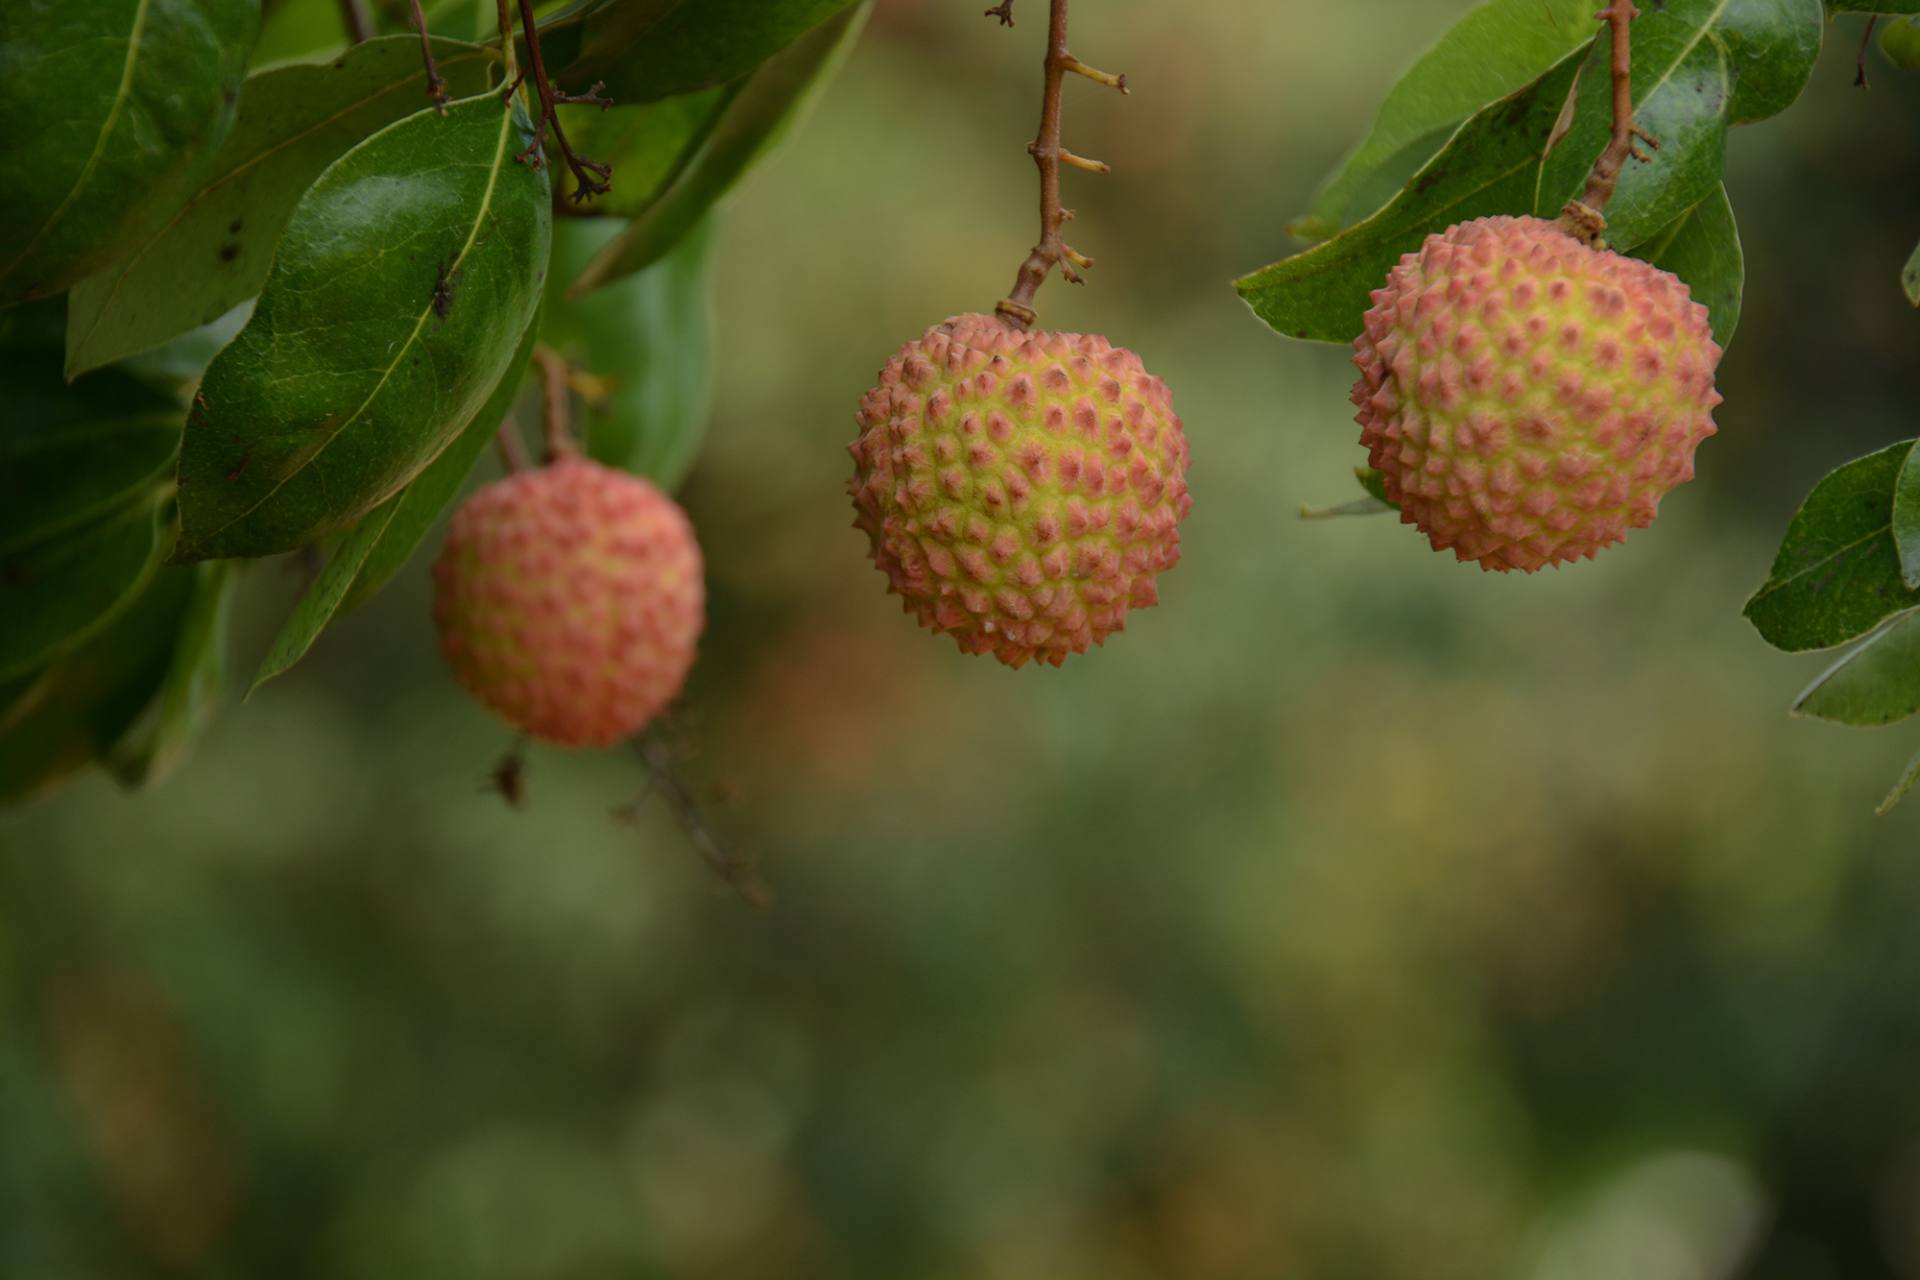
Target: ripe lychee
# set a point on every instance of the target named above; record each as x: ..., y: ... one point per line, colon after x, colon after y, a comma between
x: 569, y: 601
x: 1527, y: 398
x: 1020, y: 490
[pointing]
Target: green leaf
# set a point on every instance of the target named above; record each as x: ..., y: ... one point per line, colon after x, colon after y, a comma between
x: 1910, y: 278
x: 1702, y: 247
x: 1838, y: 572
x: 77, y: 710
x: 1907, y: 783
x: 759, y: 110
x: 1875, y: 684
x: 422, y: 501
x: 108, y: 104
x: 649, y: 49
x: 401, y: 286
x: 646, y: 145
x: 322, y: 599
x: 1495, y: 50
x: 54, y: 482
x: 1530, y: 153
x: 213, y: 252
x: 55, y: 594
x: 650, y: 337
x: 1873, y: 6
x: 1370, y: 481
x: 159, y: 738
x: 1906, y: 518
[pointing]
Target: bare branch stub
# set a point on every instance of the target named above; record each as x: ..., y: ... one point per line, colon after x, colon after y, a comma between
x: 436, y: 87
x: 1052, y: 250
x: 1585, y: 217
x: 1002, y: 11
x: 591, y: 178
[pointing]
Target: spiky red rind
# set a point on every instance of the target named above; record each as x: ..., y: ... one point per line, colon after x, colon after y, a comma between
x: 1020, y: 490
x: 1528, y: 398
x: 569, y: 600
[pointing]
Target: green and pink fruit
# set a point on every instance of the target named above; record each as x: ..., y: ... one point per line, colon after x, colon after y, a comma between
x: 1021, y: 491
x: 569, y: 601
x: 1527, y: 398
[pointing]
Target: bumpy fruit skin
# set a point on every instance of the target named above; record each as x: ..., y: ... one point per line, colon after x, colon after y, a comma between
x: 1527, y: 398
x: 569, y: 601
x: 1020, y: 490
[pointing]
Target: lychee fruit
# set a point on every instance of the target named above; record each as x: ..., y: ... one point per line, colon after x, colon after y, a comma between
x: 1528, y: 398
x: 569, y: 601
x: 1021, y: 491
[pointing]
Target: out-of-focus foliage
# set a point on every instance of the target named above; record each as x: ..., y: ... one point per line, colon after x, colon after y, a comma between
x: 1353, y: 914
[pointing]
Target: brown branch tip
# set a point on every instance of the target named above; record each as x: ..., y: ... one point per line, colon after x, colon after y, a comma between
x: 1585, y: 217
x: 1051, y: 250
x: 591, y: 177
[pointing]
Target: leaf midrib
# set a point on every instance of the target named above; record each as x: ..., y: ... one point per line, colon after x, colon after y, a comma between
x: 473, y: 234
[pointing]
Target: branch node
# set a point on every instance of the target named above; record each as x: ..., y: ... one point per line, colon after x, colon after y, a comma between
x: 1002, y: 11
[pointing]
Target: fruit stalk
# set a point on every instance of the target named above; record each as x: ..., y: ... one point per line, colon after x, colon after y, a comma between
x: 1585, y: 217
x: 1051, y: 250
x: 556, y: 410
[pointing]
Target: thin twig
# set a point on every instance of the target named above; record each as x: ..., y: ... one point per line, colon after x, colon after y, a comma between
x: 1002, y: 11
x: 1860, y: 63
x: 509, y: 50
x: 1052, y: 251
x: 513, y: 450
x: 736, y: 872
x: 353, y: 16
x: 556, y: 410
x: 1585, y: 217
x: 436, y: 87
x: 591, y: 178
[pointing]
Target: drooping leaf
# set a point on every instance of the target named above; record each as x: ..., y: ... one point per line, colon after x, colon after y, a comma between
x: 649, y: 340
x: 1699, y: 66
x: 161, y: 735
x: 420, y: 504
x: 55, y: 594
x: 1906, y: 518
x: 1497, y: 48
x: 322, y: 599
x: 402, y: 284
x: 213, y: 251
x: 646, y: 145
x: 75, y: 712
x: 1838, y: 572
x: 649, y: 49
x: 55, y: 482
x: 1875, y: 684
x: 1702, y: 247
x: 758, y: 112
x: 109, y: 104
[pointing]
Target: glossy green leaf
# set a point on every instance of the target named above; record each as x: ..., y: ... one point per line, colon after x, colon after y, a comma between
x: 1906, y: 518
x: 109, y: 104
x: 759, y: 110
x: 1838, y: 572
x: 159, y: 738
x: 649, y: 49
x: 1699, y: 66
x: 1497, y: 48
x: 1877, y: 683
x: 649, y: 337
x: 646, y: 145
x: 213, y: 252
x: 55, y: 594
x: 1702, y: 247
x: 402, y: 285
x: 54, y: 482
x: 323, y: 597
x: 76, y: 711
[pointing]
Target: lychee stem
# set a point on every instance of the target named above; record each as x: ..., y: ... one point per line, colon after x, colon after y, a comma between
x: 556, y: 409
x: 1051, y: 251
x: 513, y: 451
x: 1585, y: 217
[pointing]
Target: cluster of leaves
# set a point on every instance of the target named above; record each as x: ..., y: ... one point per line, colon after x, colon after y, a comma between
x: 254, y: 311
x: 1506, y: 115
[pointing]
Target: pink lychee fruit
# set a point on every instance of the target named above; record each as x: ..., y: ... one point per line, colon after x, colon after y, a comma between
x: 569, y: 601
x: 1021, y: 491
x: 1528, y: 398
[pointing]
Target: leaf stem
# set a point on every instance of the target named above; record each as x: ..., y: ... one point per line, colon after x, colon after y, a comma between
x: 509, y: 49
x: 1585, y: 217
x: 556, y: 409
x: 591, y: 178
x: 436, y: 87
x: 1051, y: 250
x: 353, y: 16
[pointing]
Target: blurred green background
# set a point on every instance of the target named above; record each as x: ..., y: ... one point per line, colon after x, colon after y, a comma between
x: 1354, y: 914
